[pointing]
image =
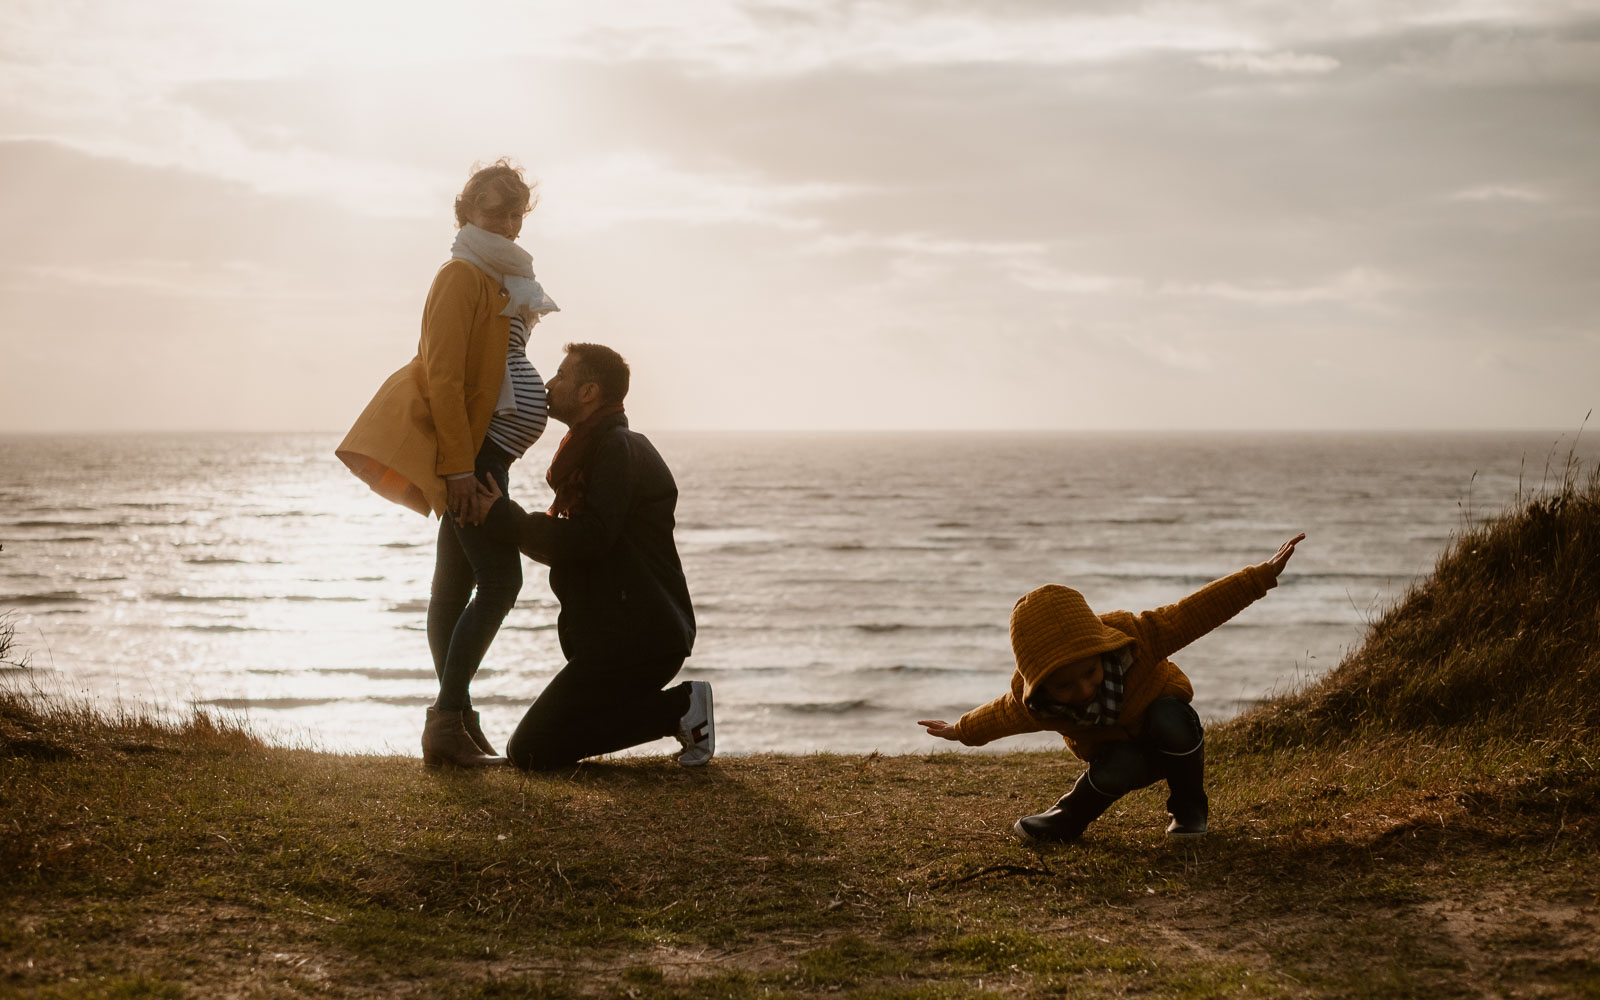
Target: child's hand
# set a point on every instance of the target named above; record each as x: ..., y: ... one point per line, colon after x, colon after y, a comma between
x: 1276, y: 564
x: 939, y: 728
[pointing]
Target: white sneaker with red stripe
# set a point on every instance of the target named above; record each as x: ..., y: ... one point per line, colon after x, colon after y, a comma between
x: 697, y: 730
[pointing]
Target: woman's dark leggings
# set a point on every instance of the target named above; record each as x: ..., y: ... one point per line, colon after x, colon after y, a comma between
x: 462, y: 624
x: 1172, y: 737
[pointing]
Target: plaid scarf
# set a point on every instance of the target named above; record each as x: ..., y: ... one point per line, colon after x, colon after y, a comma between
x: 566, y: 475
x: 1104, y: 709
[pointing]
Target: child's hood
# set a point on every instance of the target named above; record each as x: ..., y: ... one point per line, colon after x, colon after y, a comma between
x: 1053, y: 626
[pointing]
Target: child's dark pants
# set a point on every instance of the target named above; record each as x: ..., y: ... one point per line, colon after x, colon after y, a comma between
x: 1172, y: 731
x: 1172, y: 746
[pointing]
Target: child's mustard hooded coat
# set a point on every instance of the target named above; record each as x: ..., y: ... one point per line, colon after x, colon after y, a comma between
x: 1053, y: 626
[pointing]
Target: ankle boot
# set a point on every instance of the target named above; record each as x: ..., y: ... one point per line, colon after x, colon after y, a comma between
x: 445, y: 740
x: 469, y: 719
x: 1068, y: 818
x: 1186, y: 798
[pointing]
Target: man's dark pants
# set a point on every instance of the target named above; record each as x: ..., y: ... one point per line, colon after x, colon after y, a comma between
x: 599, y: 706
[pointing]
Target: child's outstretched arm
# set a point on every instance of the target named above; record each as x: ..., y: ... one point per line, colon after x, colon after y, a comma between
x: 1169, y: 629
x: 1004, y: 716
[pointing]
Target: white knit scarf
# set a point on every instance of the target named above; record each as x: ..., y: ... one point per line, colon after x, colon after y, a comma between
x: 512, y: 266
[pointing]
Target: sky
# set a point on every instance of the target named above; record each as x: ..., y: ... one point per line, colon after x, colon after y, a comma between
x: 908, y: 214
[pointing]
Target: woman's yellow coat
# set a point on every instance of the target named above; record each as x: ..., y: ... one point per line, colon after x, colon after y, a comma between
x: 429, y: 419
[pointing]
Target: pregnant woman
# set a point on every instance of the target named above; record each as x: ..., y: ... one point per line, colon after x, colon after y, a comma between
x: 466, y: 407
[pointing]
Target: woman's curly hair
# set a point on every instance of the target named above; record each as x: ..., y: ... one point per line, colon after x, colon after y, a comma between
x: 498, y: 189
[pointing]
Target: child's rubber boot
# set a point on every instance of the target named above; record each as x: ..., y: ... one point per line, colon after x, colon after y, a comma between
x: 1068, y: 818
x: 1186, y: 799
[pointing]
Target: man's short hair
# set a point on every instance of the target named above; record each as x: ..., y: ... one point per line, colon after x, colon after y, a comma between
x: 604, y: 367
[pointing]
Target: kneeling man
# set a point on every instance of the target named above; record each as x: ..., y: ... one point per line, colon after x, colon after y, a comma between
x: 626, y: 624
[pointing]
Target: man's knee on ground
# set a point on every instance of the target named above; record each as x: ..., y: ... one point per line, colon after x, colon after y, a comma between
x: 533, y: 752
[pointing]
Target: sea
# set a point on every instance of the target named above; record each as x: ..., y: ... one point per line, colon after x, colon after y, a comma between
x: 846, y: 584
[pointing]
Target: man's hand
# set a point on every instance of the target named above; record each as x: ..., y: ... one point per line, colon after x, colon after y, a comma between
x: 483, y: 498
x: 1275, y: 565
x: 458, y: 496
x: 939, y: 728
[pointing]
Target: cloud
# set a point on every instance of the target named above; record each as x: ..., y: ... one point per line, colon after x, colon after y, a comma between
x: 188, y: 279
x: 639, y: 187
x: 1355, y: 286
x: 1270, y: 63
x: 1171, y: 352
x: 1041, y: 276
x: 920, y: 244
x: 1499, y: 192
x: 1168, y: 179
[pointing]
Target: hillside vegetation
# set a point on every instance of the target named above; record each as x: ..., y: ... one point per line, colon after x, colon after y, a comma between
x: 1503, y: 637
x: 1424, y: 822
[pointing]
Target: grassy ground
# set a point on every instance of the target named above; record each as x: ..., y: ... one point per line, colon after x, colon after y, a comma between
x: 142, y: 863
x: 1424, y: 822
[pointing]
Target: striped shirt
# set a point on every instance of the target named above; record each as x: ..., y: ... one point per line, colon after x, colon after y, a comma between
x: 516, y: 432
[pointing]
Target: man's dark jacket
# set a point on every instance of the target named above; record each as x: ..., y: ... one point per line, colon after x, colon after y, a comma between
x: 613, y: 567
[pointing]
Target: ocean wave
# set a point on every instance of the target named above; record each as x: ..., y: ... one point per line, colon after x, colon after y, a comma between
x: 919, y: 668
x: 218, y: 628
x: 988, y: 542
x: 179, y: 597
x: 528, y: 628
x: 478, y: 700
x: 403, y: 545
x: 383, y: 673
x: 726, y: 538
x: 237, y: 704
x: 744, y: 668
x: 53, y: 597
x: 875, y: 628
x: 54, y: 523
x: 410, y: 607
x: 820, y: 707
x: 1138, y: 519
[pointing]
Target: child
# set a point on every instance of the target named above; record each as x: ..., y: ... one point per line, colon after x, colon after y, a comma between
x: 1105, y: 684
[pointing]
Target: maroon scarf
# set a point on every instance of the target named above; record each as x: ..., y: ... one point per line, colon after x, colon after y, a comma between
x: 566, y: 468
